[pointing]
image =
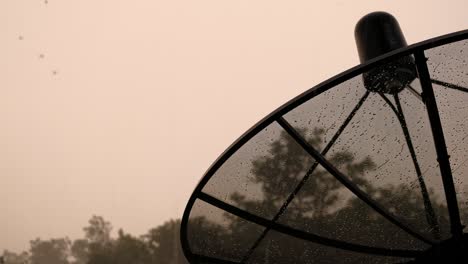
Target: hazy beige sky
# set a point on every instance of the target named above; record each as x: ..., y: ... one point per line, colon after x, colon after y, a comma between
x: 117, y: 108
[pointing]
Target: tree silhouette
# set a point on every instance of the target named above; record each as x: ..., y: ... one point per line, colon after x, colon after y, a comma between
x: 159, y: 245
x: 13, y: 258
x: 287, y: 163
x: 53, y: 251
x: 323, y: 207
x: 80, y: 251
x: 125, y: 249
x: 163, y: 243
x: 97, y: 245
x: 98, y: 230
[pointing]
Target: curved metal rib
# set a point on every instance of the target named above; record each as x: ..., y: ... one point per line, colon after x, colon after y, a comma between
x: 307, y: 175
x: 305, y: 235
x: 450, y: 85
x: 196, y: 258
x: 430, y: 214
x: 349, y: 184
x: 414, y: 92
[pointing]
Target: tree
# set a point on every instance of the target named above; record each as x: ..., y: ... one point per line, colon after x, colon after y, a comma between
x: 125, y: 249
x: 164, y: 244
x: 53, y: 251
x: 322, y: 207
x: 13, y: 258
x: 98, y: 230
x: 80, y: 251
x: 129, y: 249
x: 160, y: 245
x: 315, y: 208
x: 287, y: 163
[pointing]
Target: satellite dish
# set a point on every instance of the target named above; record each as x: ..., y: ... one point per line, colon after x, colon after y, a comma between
x: 354, y: 170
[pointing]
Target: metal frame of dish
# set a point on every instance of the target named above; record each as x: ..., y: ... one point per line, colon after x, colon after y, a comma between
x: 416, y: 50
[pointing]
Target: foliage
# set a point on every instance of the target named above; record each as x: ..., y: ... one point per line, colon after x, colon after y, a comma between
x: 98, y: 230
x: 80, y: 251
x: 53, y: 251
x: 159, y: 245
x: 125, y: 249
x: 322, y: 207
x: 13, y: 258
x: 163, y: 243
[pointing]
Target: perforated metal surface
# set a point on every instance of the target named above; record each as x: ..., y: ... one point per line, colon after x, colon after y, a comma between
x: 342, y: 174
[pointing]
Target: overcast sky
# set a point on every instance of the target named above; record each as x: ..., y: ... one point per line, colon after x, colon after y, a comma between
x: 117, y: 108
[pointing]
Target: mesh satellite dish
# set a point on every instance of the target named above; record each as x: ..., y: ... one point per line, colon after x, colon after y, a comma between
x: 354, y: 170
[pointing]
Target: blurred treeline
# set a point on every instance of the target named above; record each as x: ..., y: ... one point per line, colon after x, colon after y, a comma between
x: 323, y: 207
x: 160, y: 245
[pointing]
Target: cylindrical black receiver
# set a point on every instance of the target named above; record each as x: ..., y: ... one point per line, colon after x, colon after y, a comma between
x: 376, y: 34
